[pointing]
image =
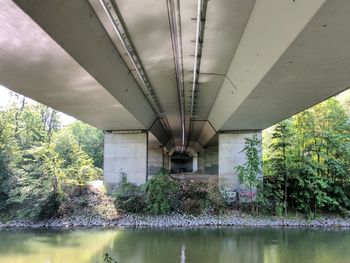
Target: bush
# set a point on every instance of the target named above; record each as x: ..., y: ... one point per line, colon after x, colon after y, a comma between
x: 129, y: 197
x: 51, y: 206
x: 161, y: 194
x: 194, y: 197
x: 36, y: 205
x: 199, y: 197
x: 270, y: 196
x: 219, y: 198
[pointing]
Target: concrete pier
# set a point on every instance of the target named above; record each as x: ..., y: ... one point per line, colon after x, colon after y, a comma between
x: 166, y: 160
x: 230, y: 155
x: 155, y: 159
x: 200, y: 163
x: 194, y: 164
x: 211, y: 161
x: 125, y: 154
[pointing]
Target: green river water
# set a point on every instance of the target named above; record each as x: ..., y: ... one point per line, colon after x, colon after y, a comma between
x: 202, y: 245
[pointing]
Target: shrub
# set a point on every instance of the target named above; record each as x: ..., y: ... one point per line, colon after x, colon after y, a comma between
x: 161, y: 194
x: 50, y: 207
x: 129, y: 197
x: 270, y: 196
x: 199, y: 197
x: 219, y: 199
x: 194, y: 197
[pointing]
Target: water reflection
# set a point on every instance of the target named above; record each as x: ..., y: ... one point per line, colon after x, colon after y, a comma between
x: 183, y: 254
x: 222, y: 245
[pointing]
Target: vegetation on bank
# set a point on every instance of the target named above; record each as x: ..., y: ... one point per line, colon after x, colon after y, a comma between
x: 306, y: 163
x: 163, y: 195
x: 40, y: 161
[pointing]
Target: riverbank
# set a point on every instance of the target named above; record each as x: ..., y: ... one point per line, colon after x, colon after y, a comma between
x: 177, y: 220
x: 93, y: 208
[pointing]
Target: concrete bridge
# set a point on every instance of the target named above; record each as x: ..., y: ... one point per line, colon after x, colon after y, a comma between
x: 179, y: 82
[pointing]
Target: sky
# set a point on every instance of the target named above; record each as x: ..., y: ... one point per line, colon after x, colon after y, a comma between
x: 5, y: 99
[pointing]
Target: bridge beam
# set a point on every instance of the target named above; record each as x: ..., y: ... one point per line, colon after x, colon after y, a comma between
x: 76, y: 28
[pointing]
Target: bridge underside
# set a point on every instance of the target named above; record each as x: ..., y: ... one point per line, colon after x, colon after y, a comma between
x: 175, y: 77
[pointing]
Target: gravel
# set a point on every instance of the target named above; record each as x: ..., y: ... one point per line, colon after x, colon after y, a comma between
x: 178, y: 220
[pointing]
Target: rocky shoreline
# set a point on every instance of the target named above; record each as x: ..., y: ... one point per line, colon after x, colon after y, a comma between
x: 177, y: 220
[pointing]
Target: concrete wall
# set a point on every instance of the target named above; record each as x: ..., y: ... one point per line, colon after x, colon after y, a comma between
x: 125, y: 154
x: 211, y: 161
x: 155, y: 160
x: 230, y: 155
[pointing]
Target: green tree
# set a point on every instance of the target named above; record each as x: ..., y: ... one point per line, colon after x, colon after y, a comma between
x: 90, y: 140
x: 280, y: 159
x: 37, y: 159
x: 50, y: 119
x: 249, y: 171
x: 77, y: 165
x: 7, y: 150
x: 35, y: 191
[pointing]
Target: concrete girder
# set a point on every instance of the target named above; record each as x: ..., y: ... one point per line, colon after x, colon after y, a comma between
x: 313, y: 68
x: 221, y: 38
x: 33, y: 64
x: 77, y: 29
x: 275, y: 33
x: 256, y: 55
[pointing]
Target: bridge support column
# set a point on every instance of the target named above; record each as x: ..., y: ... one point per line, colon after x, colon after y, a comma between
x: 200, y: 163
x: 169, y: 164
x: 230, y: 155
x: 211, y: 160
x: 166, y: 160
x: 125, y: 154
x: 155, y: 160
x: 194, y: 164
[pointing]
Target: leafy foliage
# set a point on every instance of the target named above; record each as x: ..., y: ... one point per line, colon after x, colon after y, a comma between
x: 161, y: 194
x: 309, y: 164
x: 194, y: 197
x: 281, y: 143
x: 249, y: 171
x: 198, y: 197
x: 36, y: 159
x: 90, y: 140
x: 129, y: 197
